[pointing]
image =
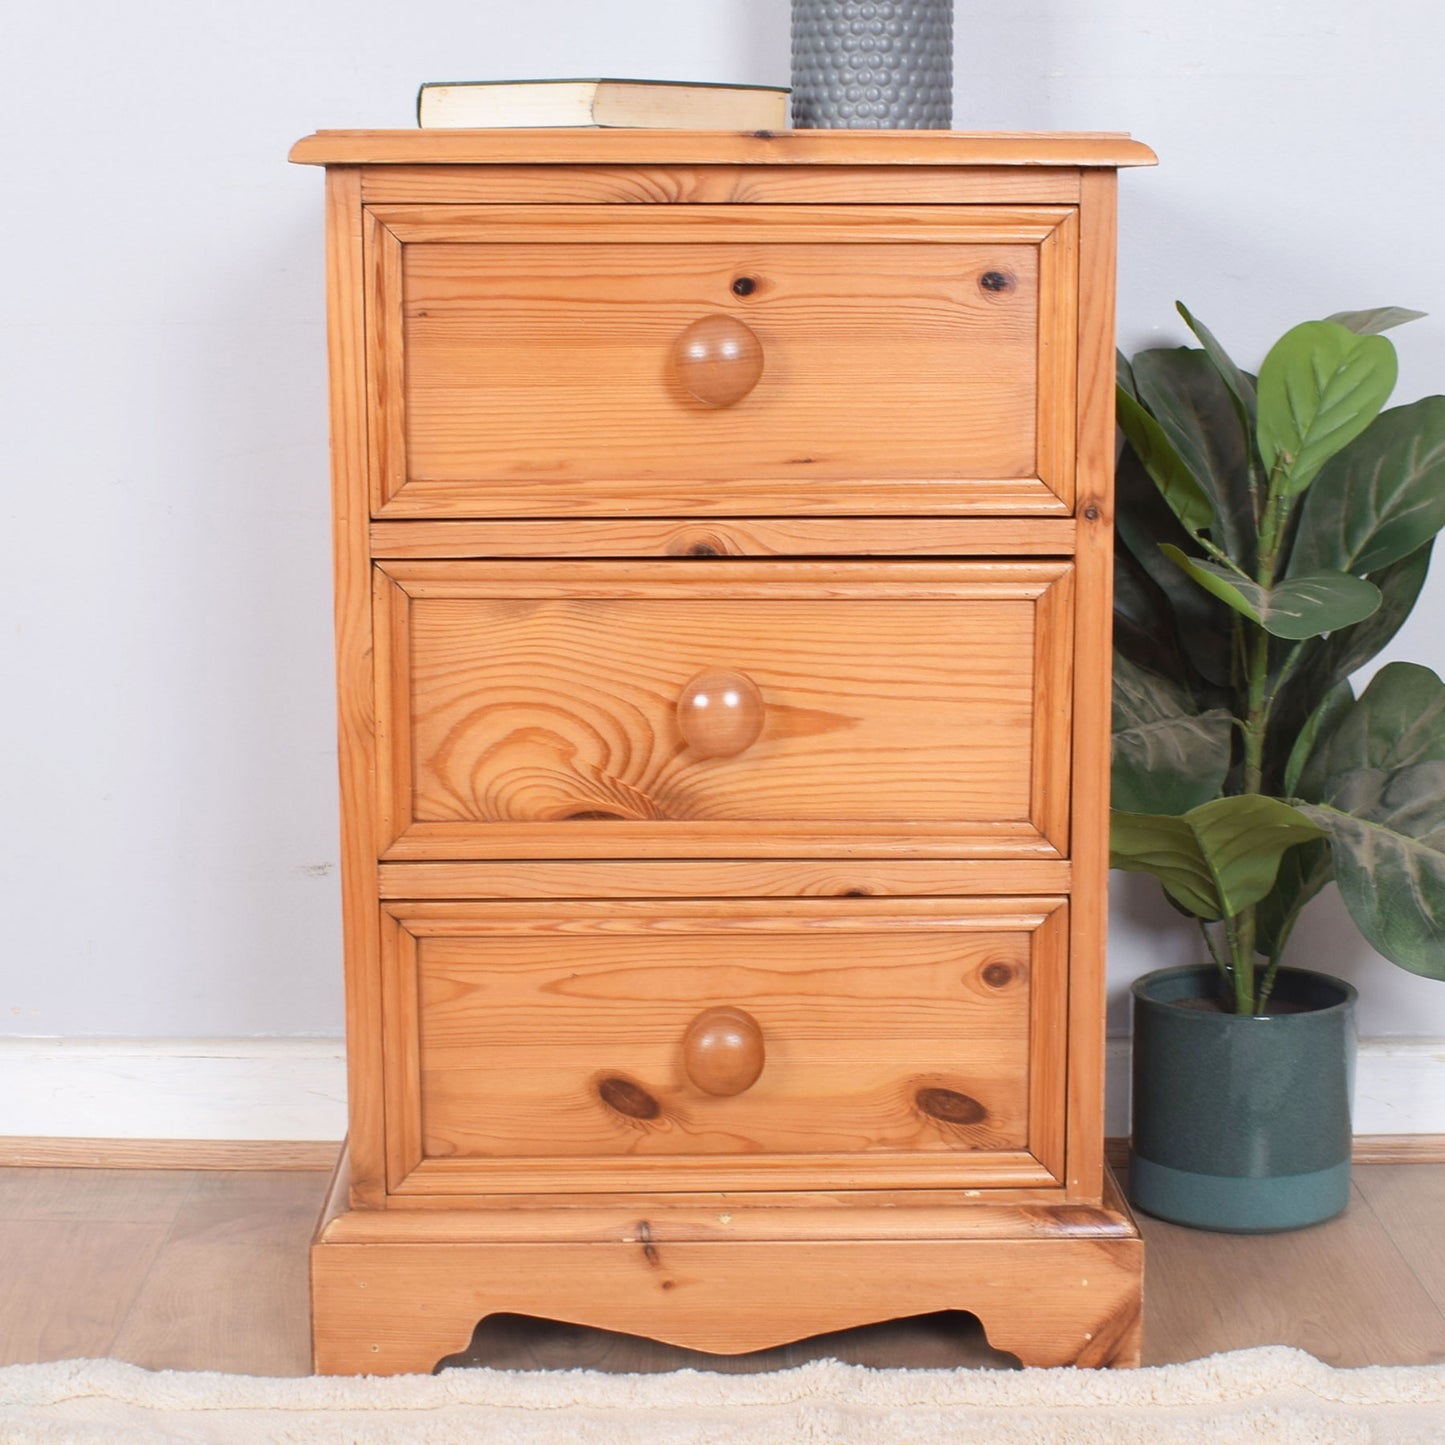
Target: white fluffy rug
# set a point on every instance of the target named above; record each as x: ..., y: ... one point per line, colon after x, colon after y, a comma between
x: 1269, y: 1395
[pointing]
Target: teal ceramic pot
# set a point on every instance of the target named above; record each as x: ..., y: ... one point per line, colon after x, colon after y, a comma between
x: 1242, y: 1124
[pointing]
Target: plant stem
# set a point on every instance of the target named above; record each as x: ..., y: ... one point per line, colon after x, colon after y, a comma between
x: 1221, y: 556
x: 1267, y: 987
x: 1215, y: 954
x: 1243, y: 964
x: 1259, y: 702
x: 1256, y: 721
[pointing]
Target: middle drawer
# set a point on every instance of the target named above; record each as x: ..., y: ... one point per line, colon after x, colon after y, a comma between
x: 723, y: 709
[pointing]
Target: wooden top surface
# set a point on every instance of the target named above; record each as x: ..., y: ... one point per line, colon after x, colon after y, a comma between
x: 591, y: 145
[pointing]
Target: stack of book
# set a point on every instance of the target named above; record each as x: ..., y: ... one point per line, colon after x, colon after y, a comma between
x: 652, y: 104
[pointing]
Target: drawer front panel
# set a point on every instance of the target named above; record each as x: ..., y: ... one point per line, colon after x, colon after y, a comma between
x: 557, y: 711
x: 543, y: 1042
x: 528, y: 364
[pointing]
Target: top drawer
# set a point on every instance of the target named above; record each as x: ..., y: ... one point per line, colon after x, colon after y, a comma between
x: 530, y: 361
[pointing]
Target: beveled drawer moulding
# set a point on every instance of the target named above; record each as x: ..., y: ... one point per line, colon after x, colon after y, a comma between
x: 519, y: 359
x: 533, y: 710
x: 722, y: 553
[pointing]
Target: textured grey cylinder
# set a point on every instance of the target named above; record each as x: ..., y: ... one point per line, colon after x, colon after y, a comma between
x: 872, y: 64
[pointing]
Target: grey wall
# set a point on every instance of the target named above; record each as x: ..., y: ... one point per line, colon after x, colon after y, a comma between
x: 168, y: 843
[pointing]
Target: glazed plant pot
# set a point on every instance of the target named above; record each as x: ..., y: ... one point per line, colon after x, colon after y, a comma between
x: 1241, y: 1123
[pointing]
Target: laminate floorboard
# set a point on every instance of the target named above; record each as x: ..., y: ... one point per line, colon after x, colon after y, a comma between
x: 198, y: 1270
x: 228, y: 1289
x: 1342, y: 1290
x: 66, y: 1285
x: 1409, y: 1200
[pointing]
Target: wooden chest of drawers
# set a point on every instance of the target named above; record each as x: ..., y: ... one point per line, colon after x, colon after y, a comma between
x: 722, y: 556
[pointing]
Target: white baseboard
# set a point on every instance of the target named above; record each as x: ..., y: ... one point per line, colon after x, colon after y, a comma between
x: 173, y: 1088
x: 296, y: 1088
x: 1399, y: 1087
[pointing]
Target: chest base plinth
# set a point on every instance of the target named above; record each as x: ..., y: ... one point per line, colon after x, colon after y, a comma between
x: 396, y: 1291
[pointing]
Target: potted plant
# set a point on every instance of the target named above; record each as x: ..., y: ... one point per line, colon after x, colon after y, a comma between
x: 1273, y: 533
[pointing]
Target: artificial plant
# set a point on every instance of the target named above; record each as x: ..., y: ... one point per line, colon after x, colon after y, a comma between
x: 1273, y: 534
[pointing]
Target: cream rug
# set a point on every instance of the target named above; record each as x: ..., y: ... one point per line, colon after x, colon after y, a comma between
x: 1270, y: 1395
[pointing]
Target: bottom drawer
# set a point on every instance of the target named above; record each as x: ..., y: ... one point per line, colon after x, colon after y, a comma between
x: 725, y: 1044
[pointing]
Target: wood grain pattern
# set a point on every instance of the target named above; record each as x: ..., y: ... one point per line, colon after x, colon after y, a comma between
x: 744, y: 497
x: 985, y: 842
x: 1410, y: 1203
x: 717, y: 185
x: 1092, y: 671
x: 1399, y: 1149
x: 124, y: 1154
x: 538, y: 376
x: 1339, y: 1290
x: 936, y: 1214
x: 1367, y: 1149
x: 401, y: 1000
x: 896, y: 1042
x: 227, y: 1289
x: 1057, y: 364
x: 1049, y: 1043
x: 1050, y: 791
x: 386, y: 361
x: 1050, y: 1302
x: 147, y: 1195
x: 862, y: 878
x: 866, y: 1049
x: 1373, y: 1319
x: 691, y: 147
x: 515, y: 697
x: 842, y: 226
x: 355, y: 718
x: 925, y: 1130
x: 97, y: 1267
x: 756, y: 537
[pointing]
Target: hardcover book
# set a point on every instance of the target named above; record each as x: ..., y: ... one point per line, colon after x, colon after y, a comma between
x: 657, y: 104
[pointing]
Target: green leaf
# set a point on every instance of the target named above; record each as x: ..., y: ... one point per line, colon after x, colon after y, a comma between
x: 1178, y: 485
x: 1243, y: 839
x: 1304, y: 607
x: 1167, y: 849
x: 1325, y: 662
x: 1240, y: 383
x: 1143, y: 625
x: 1321, y: 723
x: 1319, y: 388
x: 1197, y: 623
x: 1381, y: 498
x: 1218, y: 581
x: 1168, y: 757
x: 1375, y: 320
x: 1397, y: 722
x: 1298, y: 608
x: 1376, y: 784
x: 1124, y: 374
x: 1218, y: 858
x: 1389, y: 858
x: 1303, y: 872
x: 1400, y: 585
x: 1185, y: 394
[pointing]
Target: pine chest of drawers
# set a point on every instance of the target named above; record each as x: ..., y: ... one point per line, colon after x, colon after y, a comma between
x: 723, y: 560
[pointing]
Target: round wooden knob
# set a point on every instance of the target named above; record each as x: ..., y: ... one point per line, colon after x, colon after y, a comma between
x: 720, y: 713
x: 722, y: 1051
x: 719, y: 360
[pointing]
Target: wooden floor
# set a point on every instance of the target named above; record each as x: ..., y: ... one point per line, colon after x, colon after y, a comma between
x: 207, y: 1271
